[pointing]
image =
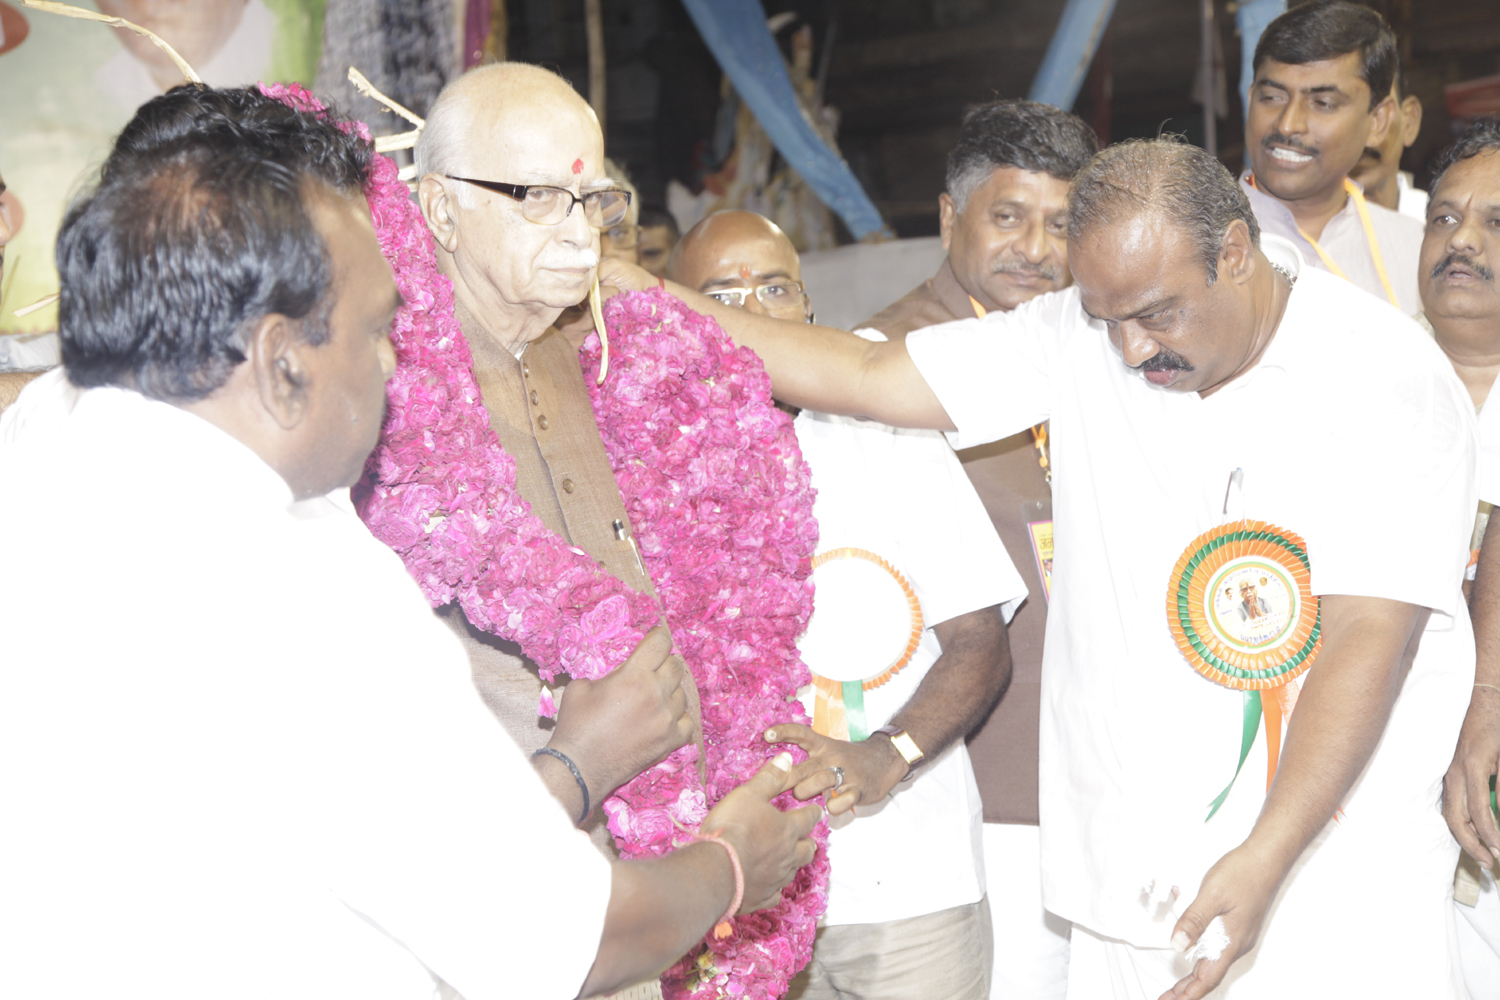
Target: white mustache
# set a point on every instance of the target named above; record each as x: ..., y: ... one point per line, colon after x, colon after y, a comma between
x: 584, y: 259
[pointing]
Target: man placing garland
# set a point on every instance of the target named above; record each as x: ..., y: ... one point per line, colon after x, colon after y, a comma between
x: 241, y: 758
x: 1180, y: 869
x: 898, y: 523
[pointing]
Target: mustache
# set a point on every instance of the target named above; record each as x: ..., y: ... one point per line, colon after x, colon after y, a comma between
x: 1277, y: 139
x: 1164, y: 361
x: 583, y: 258
x: 1036, y: 270
x: 1463, y: 260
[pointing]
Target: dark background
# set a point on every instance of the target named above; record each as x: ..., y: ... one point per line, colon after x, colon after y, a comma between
x: 901, y: 72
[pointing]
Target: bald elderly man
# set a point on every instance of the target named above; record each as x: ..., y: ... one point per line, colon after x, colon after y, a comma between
x: 514, y: 192
x: 907, y: 914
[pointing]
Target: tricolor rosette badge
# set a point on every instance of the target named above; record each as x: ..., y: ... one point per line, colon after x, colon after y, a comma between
x: 1241, y: 610
x: 866, y: 624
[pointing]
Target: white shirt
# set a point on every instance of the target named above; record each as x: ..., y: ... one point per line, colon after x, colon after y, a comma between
x: 1410, y: 199
x: 238, y: 755
x: 1489, y: 453
x: 1352, y: 431
x: 904, y: 495
x: 1398, y: 236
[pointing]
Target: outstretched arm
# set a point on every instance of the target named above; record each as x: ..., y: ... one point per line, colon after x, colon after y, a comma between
x: 1346, y: 699
x: 814, y: 367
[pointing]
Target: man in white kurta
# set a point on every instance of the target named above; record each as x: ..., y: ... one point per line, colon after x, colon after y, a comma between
x: 1135, y: 744
x: 238, y: 756
x: 1461, y: 303
x: 1366, y: 450
x: 324, y: 792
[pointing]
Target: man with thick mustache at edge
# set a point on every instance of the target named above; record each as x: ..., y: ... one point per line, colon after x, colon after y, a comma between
x: 1181, y: 318
x: 1321, y: 95
x: 1461, y: 301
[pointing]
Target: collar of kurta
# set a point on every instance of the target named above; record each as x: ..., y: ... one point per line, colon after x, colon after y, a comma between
x: 950, y: 293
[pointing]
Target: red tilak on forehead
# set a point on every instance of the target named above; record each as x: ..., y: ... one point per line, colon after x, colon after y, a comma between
x: 745, y: 271
x: 578, y: 166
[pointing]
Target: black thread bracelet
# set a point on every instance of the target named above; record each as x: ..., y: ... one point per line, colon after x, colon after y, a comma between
x: 578, y: 777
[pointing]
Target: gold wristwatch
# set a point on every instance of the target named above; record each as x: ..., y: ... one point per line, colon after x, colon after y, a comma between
x: 906, y: 747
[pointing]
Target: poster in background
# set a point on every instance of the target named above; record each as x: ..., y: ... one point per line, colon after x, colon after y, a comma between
x: 70, y: 85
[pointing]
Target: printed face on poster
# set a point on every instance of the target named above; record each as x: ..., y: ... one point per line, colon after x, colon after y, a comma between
x: 81, y: 83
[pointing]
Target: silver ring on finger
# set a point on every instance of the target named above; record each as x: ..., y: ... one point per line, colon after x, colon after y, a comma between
x: 838, y: 777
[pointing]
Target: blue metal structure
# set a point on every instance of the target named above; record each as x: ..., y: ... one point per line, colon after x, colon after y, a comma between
x: 1252, y: 18
x: 1072, y: 48
x: 736, y: 33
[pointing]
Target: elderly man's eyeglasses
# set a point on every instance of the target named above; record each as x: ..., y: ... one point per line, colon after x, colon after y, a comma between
x: 781, y: 292
x: 547, y: 206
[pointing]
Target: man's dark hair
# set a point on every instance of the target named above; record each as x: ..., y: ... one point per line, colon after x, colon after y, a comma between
x: 199, y: 227
x: 653, y: 216
x: 1327, y: 29
x: 1182, y: 183
x: 1021, y: 134
x: 1482, y: 136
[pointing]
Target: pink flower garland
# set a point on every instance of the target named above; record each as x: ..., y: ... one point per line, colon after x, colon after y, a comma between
x: 716, y: 488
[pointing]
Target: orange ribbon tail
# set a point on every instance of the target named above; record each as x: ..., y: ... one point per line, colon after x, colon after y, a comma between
x: 1270, y: 703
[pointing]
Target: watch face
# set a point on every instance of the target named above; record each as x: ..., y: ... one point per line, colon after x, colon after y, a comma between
x: 907, y: 747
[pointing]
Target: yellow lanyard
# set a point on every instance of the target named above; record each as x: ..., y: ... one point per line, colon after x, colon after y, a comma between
x: 1039, y: 432
x: 1364, y: 218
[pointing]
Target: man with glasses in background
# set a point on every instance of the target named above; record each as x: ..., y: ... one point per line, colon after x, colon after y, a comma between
x: 907, y: 914
x: 515, y: 193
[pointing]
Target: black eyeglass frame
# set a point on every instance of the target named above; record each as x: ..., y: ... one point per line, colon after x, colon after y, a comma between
x: 518, y: 192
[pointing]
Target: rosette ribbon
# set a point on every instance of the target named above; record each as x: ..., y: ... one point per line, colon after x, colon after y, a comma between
x: 1259, y: 663
x: 839, y: 705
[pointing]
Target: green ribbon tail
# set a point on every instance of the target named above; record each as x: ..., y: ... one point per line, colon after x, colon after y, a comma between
x: 854, y: 711
x: 1247, y: 740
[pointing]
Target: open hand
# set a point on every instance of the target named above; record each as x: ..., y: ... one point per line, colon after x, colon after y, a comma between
x: 771, y: 844
x: 626, y: 721
x: 1466, y: 786
x: 1239, y: 888
x: 871, y: 768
